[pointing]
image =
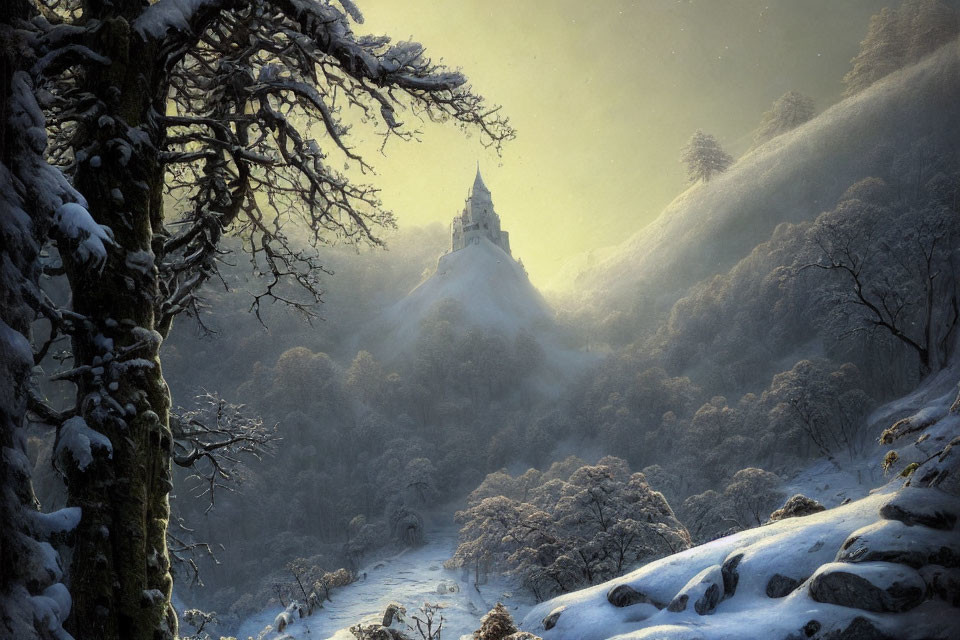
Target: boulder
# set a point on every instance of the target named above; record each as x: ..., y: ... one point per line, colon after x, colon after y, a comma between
x: 779, y: 585
x: 870, y: 586
x: 810, y: 629
x: 922, y: 506
x: 448, y: 586
x: 797, y: 506
x: 623, y: 595
x: 942, y: 583
x: 704, y: 589
x: 858, y: 629
x: 679, y: 603
x: 551, y: 620
x: 894, y: 541
x: 393, y: 612
x: 730, y: 574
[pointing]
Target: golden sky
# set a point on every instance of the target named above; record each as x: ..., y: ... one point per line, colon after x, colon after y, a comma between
x: 603, y: 94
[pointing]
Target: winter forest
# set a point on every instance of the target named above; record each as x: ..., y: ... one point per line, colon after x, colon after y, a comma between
x: 373, y: 320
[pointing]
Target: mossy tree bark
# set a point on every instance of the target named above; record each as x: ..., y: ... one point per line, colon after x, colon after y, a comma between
x: 120, y: 572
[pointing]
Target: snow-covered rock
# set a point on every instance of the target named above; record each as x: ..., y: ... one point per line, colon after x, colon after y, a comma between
x: 872, y: 586
x: 703, y: 590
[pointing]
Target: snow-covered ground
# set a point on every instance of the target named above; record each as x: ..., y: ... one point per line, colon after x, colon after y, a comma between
x: 743, y: 607
x: 872, y: 568
x: 410, y: 578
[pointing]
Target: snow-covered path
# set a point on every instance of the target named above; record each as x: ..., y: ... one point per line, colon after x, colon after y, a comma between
x: 410, y: 578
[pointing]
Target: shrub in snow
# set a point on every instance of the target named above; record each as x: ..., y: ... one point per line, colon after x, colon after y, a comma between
x: 798, y: 505
x: 497, y: 624
x: 597, y: 523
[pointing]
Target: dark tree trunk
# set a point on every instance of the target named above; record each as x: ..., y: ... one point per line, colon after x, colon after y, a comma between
x: 120, y: 574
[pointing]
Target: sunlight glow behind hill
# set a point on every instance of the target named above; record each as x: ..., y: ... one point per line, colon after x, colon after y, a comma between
x: 603, y: 101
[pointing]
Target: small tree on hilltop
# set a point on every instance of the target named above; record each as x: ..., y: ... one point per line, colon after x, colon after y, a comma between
x: 704, y: 157
x: 788, y: 112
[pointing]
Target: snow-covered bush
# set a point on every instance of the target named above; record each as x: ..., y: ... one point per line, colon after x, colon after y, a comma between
x: 597, y: 523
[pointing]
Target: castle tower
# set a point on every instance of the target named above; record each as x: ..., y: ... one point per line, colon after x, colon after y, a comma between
x: 478, y: 221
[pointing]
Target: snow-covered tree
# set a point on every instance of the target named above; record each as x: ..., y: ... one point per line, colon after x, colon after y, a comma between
x: 753, y: 494
x: 901, y: 36
x: 704, y: 157
x: 825, y: 402
x: 788, y: 112
x: 497, y: 624
x: 241, y: 110
x: 592, y: 526
x: 891, y: 266
x: 882, y: 51
x: 36, y: 201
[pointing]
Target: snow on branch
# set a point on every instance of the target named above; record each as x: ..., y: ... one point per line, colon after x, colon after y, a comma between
x: 89, y: 239
x: 76, y: 439
x: 265, y: 98
x: 212, y: 439
x: 164, y: 15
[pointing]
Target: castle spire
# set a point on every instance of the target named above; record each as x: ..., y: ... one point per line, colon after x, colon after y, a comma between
x: 478, y: 185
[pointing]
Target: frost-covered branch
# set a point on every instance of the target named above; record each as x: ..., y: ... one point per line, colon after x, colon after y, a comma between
x: 213, y: 439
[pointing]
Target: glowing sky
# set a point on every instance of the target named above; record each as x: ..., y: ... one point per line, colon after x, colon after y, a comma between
x: 604, y: 94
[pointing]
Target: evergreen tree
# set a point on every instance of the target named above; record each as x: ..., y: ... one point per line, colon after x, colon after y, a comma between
x: 897, y: 37
x: 788, y: 112
x: 882, y: 51
x: 704, y: 157
x: 496, y: 625
x: 932, y: 24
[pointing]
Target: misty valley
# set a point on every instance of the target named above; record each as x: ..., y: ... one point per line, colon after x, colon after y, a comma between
x: 258, y: 380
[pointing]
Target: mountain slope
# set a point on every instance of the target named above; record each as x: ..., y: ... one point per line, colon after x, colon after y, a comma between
x: 791, y: 178
x: 490, y: 288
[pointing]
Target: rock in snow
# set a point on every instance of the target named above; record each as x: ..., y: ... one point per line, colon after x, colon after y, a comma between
x: 885, y: 567
x: 871, y: 586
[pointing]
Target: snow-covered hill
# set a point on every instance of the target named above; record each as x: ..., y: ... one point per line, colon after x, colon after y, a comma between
x: 492, y: 291
x: 490, y: 287
x: 409, y: 579
x: 885, y: 567
x: 793, y: 177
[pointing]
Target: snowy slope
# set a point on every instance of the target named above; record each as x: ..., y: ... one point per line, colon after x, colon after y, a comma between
x: 490, y: 286
x: 793, y: 177
x: 795, y: 548
x: 493, y: 291
x: 884, y: 567
x: 410, y: 579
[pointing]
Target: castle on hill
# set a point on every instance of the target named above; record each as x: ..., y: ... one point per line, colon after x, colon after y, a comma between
x: 478, y: 220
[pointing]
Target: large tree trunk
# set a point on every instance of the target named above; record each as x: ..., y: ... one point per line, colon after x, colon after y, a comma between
x: 120, y: 574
